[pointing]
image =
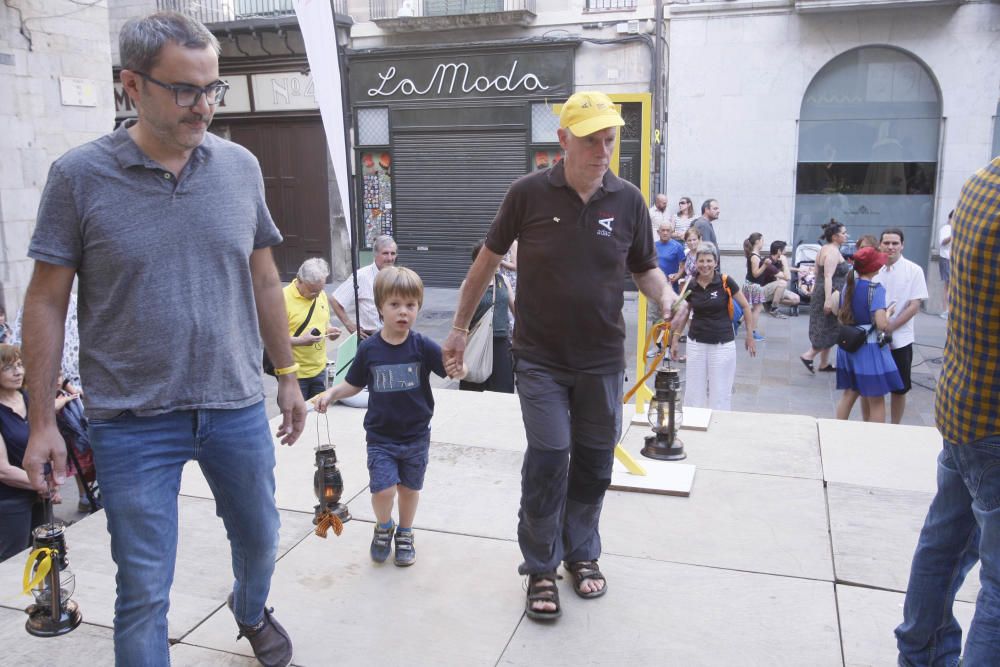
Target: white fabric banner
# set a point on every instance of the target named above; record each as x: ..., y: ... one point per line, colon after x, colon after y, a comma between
x: 320, y: 37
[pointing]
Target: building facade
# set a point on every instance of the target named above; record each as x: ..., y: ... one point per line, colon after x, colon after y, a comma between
x: 792, y: 112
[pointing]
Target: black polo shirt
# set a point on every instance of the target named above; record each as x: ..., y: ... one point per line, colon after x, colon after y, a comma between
x: 571, y: 263
x: 710, y: 322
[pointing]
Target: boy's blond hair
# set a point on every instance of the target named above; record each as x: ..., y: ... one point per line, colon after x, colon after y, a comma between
x: 400, y: 281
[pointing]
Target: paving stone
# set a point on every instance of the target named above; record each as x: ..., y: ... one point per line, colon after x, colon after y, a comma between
x: 756, y: 523
x: 458, y: 605
x: 88, y: 644
x: 467, y: 490
x: 295, y: 465
x: 867, y: 620
x: 866, y: 454
x: 203, y: 574
x: 185, y: 655
x: 874, y: 532
x: 673, y: 614
x: 479, y: 419
x: 747, y: 442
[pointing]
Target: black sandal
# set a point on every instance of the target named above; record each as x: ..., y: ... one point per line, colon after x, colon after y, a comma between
x: 537, y: 593
x: 808, y: 363
x: 584, y: 570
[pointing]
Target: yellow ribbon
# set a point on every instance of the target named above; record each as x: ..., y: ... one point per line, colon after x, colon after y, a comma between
x: 39, y: 560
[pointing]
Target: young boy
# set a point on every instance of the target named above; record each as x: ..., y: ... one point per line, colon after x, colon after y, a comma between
x: 395, y: 365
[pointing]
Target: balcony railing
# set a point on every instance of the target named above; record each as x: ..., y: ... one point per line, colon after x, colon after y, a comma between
x: 405, y: 9
x: 228, y: 11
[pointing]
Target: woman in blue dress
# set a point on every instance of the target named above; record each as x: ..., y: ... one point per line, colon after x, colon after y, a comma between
x: 868, y: 372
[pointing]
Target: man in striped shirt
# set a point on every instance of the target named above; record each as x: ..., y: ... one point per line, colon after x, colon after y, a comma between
x: 963, y: 522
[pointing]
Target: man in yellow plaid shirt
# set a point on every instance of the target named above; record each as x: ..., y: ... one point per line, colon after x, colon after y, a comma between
x: 963, y: 522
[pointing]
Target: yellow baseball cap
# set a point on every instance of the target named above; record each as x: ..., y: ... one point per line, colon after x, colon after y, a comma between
x: 587, y: 112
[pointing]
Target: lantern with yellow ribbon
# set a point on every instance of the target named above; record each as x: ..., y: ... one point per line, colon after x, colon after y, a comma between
x: 48, y: 577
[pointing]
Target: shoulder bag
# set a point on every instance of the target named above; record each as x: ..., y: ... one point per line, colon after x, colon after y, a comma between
x: 479, y: 347
x: 266, y: 363
x: 851, y: 337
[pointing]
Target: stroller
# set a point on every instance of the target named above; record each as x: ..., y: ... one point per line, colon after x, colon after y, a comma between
x: 804, y: 256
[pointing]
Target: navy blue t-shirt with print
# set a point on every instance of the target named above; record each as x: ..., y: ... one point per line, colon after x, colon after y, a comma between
x: 400, y: 403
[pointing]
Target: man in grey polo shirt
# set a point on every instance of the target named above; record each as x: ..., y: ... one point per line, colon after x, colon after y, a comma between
x: 167, y: 230
x: 569, y: 341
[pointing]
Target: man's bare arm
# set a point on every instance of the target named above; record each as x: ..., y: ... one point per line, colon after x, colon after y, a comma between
x: 480, y: 274
x: 274, y: 331
x: 42, y: 332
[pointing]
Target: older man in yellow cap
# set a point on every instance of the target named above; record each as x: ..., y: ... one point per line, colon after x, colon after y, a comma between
x: 579, y: 228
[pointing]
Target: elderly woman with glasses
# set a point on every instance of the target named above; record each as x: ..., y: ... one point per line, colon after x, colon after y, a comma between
x: 711, y: 346
x: 20, y: 509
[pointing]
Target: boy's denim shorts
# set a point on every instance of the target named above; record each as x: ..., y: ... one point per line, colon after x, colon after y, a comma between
x: 397, y: 463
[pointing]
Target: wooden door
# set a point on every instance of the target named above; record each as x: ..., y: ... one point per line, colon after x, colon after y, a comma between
x: 293, y: 160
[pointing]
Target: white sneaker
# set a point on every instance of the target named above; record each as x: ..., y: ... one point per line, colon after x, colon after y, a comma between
x: 943, y: 315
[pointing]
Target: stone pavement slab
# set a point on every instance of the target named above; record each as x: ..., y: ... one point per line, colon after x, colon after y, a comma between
x: 755, y: 523
x: 185, y: 655
x: 874, y: 532
x: 867, y: 620
x: 295, y: 465
x: 478, y: 419
x: 887, y: 456
x: 203, y: 574
x: 458, y: 605
x: 467, y: 490
x: 89, y: 644
x: 785, y: 445
x: 672, y: 614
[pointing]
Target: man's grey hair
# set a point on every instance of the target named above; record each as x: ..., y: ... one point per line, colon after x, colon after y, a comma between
x: 707, y: 248
x: 314, y: 270
x: 383, y: 242
x: 142, y: 38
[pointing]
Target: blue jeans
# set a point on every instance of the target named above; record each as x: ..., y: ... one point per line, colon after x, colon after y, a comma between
x: 139, y: 462
x: 962, y: 526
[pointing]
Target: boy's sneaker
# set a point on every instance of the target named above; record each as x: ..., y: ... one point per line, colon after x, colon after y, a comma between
x: 382, y: 543
x: 270, y: 642
x: 406, y: 554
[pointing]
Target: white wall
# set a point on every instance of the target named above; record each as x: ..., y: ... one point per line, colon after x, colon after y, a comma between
x: 736, y: 87
x: 38, y: 125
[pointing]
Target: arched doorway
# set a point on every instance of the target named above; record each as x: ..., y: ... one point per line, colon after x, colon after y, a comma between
x: 869, y: 130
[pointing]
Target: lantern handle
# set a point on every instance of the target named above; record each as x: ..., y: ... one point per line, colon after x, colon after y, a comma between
x: 329, y: 440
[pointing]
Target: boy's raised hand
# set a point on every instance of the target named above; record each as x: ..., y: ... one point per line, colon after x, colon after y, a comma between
x: 321, y: 402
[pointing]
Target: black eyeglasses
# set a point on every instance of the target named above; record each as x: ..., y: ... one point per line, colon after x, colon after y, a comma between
x: 188, y: 96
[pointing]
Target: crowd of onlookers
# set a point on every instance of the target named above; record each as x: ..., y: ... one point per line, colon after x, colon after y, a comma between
x: 867, y: 284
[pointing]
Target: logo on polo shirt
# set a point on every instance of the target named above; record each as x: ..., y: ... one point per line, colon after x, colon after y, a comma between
x: 605, y: 224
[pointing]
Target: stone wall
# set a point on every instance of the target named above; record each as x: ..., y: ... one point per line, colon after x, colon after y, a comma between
x: 56, y: 83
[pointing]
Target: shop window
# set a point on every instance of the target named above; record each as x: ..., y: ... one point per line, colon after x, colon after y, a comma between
x: 610, y: 5
x: 373, y: 126
x: 869, y: 131
x: 544, y: 124
x: 376, y: 194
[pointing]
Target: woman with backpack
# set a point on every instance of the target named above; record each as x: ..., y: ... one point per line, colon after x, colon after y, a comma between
x: 869, y: 371
x: 711, y: 347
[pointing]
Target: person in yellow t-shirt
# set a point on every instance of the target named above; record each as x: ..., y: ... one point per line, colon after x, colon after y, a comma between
x: 309, y: 346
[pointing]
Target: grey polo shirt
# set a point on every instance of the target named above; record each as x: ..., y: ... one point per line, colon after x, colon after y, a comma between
x: 571, y: 264
x: 166, y: 306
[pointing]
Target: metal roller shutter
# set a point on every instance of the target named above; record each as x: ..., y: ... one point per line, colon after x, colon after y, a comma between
x: 448, y: 187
